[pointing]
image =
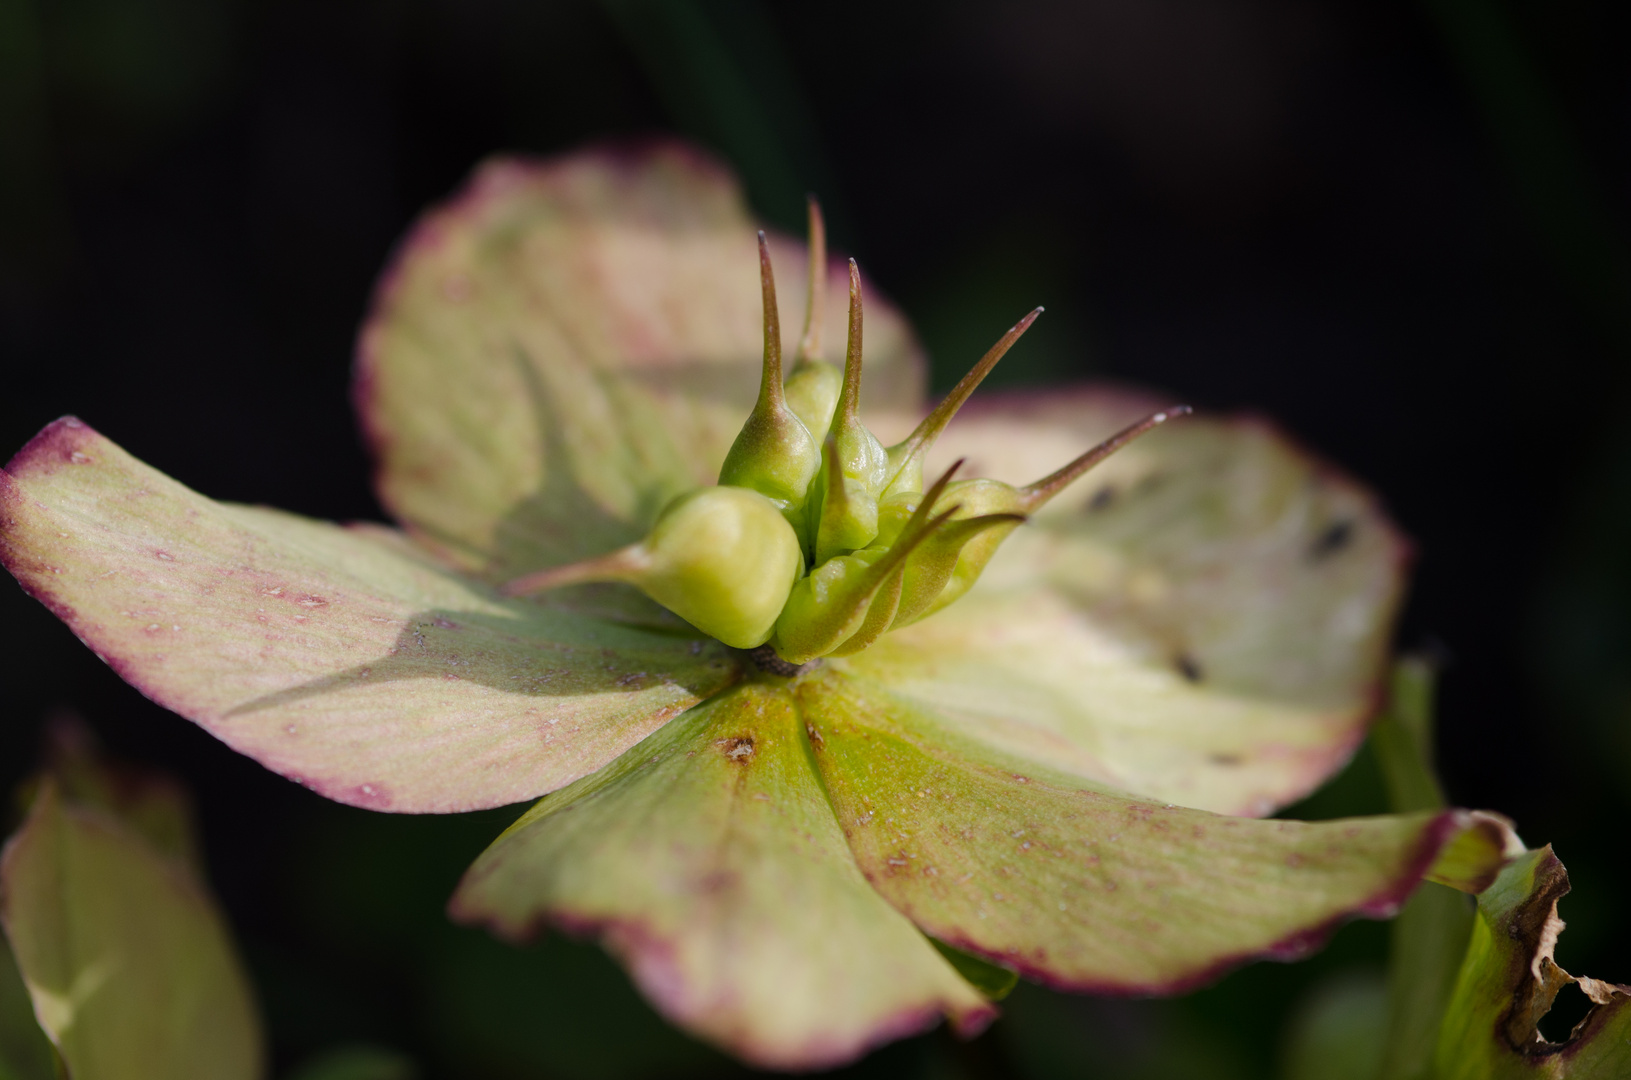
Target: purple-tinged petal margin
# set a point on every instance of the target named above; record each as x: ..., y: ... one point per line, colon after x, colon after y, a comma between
x: 1203, y: 619
x: 708, y: 860
x: 340, y: 658
x: 1086, y: 889
x: 566, y: 344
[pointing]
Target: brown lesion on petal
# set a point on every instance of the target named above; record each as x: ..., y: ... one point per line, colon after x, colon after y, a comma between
x: 1189, y: 667
x: 1333, y: 539
x: 767, y: 660
x: 1535, y: 927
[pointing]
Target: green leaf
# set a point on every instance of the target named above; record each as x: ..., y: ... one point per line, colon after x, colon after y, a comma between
x: 993, y: 980
x: 25, y: 1052
x: 151, y: 803
x: 708, y: 860
x: 130, y: 968
x: 1336, y: 1033
x: 1429, y: 937
x: 1203, y: 619
x: 342, y: 658
x: 1084, y: 888
x: 1508, y: 981
x: 1403, y: 738
x: 566, y: 345
x: 358, y: 1063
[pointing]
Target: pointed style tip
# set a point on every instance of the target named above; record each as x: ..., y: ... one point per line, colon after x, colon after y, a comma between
x: 770, y: 386
x: 614, y: 566
x: 815, y: 303
x: 1046, y: 488
x: 923, y: 436
x: 932, y: 494
x: 849, y: 401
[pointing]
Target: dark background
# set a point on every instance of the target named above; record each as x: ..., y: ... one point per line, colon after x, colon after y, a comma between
x: 1398, y: 228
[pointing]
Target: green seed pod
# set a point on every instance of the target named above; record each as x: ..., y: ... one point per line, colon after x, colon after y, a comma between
x: 813, y: 383
x: 856, y: 464
x: 848, y: 601
x: 774, y: 454
x: 835, y: 601
x: 722, y: 558
x: 1005, y: 506
x: 990, y: 510
x: 812, y: 390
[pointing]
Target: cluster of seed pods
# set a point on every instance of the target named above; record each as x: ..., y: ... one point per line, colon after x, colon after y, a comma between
x: 817, y: 545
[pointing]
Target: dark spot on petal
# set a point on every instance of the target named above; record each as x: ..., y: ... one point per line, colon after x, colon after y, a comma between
x: 766, y: 659
x: 1188, y: 667
x: 1224, y: 759
x: 1337, y: 535
x: 1102, y: 498
x: 1151, y: 481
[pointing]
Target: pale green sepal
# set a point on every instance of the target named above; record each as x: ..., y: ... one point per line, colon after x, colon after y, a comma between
x: 130, y: 967
x: 1508, y: 981
x: 343, y: 658
x: 1203, y: 620
x: 708, y: 860
x: 564, y: 345
x: 1079, y: 886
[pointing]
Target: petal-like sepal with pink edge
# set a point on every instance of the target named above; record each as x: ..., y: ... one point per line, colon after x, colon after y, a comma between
x: 708, y: 860
x: 1086, y: 889
x: 567, y: 344
x: 1202, y: 619
x: 341, y: 658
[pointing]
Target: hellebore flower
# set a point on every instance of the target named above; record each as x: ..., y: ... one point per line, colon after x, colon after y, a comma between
x: 1034, y: 777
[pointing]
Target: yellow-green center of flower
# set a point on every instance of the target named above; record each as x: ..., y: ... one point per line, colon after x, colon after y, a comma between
x: 818, y: 539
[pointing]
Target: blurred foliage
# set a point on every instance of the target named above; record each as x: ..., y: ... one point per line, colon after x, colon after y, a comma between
x: 1339, y: 1031
x: 25, y: 1052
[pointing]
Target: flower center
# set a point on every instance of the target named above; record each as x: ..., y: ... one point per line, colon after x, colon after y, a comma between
x: 818, y: 539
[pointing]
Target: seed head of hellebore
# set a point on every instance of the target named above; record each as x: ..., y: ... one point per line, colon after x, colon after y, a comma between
x: 818, y: 539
